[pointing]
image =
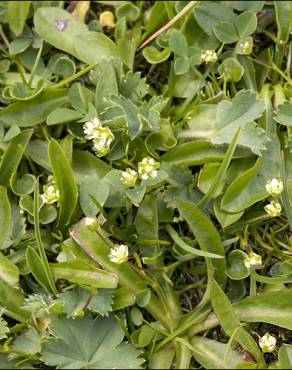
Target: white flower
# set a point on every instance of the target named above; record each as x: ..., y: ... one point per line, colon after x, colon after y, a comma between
x: 91, y: 223
x: 102, y: 141
x: 267, y: 343
x: 129, y: 177
x: 91, y: 128
x: 245, y: 46
x: 275, y: 187
x: 209, y: 56
x: 148, y: 168
x: 273, y: 209
x: 253, y: 261
x: 51, y: 193
x: 119, y: 253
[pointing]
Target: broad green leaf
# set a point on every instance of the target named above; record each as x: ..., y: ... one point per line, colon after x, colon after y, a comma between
x: 246, y: 23
x: 206, y: 234
x: 162, y: 359
x: 225, y: 218
x: 273, y: 308
x: 198, y: 153
x: 5, y: 215
x: 17, y: 12
x: 210, y: 354
x: 254, y: 5
x: 178, y: 43
x: 206, y: 177
x: 209, y: 14
x: 13, y: 155
x: 63, y: 115
x: 99, y: 348
x: 248, y: 189
x: 23, y: 185
x: 231, y: 70
x: 129, y: 11
x: 12, y: 300
x: 29, y: 342
x: 231, y: 324
x: 80, y: 272
x: 284, y: 20
x: 34, y: 111
x: 9, y: 272
x: 94, y: 47
x: 65, y: 182
x: 102, y: 302
x: 225, y: 32
x: 59, y: 28
x: 181, y: 65
x: 284, y: 114
x: 236, y: 268
x: 285, y: 356
x: 93, y: 190
x: 123, y: 297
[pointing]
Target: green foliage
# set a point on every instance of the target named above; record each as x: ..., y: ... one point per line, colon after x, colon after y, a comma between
x: 139, y: 226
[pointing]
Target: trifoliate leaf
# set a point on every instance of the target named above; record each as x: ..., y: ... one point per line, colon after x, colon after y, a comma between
x: 89, y: 344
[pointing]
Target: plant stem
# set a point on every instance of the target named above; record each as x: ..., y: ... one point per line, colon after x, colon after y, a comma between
x: 188, y: 7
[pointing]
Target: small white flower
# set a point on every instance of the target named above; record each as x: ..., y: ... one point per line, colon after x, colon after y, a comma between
x: 275, y: 187
x: 91, y: 128
x: 102, y: 141
x: 267, y: 343
x: 129, y: 177
x: 148, y: 168
x: 253, y: 261
x: 119, y: 253
x: 91, y: 223
x: 51, y: 193
x: 273, y: 209
x: 209, y: 56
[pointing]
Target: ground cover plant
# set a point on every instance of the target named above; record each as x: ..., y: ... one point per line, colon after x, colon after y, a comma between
x: 146, y: 184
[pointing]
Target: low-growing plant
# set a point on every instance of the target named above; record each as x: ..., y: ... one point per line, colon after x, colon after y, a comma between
x: 146, y: 184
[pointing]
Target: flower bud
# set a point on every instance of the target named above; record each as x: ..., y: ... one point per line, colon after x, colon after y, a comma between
x: 209, y: 56
x: 273, y: 209
x: 275, y: 187
x: 129, y: 177
x: 253, y: 261
x: 148, y: 168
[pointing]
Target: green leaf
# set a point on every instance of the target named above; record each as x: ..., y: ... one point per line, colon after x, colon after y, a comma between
x: 154, y: 56
x: 206, y: 234
x: 63, y: 115
x: 178, y: 43
x: 246, y: 23
x: 59, y: 28
x: 285, y: 356
x: 209, y: 14
x: 284, y: 114
x: 254, y: 5
x: 9, y: 272
x: 94, y: 47
x: 273, y: 308
x: 64, y: 177
x: 38, y: 269
x: 231, y: 70
x: 12, y: 300
x: 225, y: 218
x: 181, y: 65
x: 284, y: 20
x: 225, y: 32
x: 129, y: 11
x: 82, y: 273
x: 236, y: 268
x: 197, y: 153
x: 100, y: 346
x: 102, y: 302
x: 91, y: 190
x: 13, y: 155
x: 34, y: 111
x: 17, y: 12
x: 23, y: 185
x: 231, y: 324
x: 5, y: 214
x: 106, y: 86
x: 210, y: 354
x: 29, y: 342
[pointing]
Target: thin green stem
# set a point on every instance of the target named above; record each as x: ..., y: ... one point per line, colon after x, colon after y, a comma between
x: 36, y: 63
